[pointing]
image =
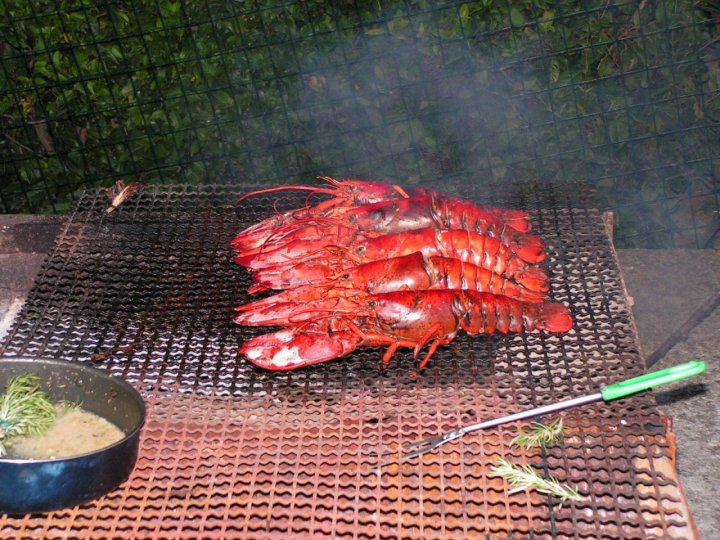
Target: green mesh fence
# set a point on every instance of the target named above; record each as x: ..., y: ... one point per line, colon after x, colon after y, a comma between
x: 616, y: 100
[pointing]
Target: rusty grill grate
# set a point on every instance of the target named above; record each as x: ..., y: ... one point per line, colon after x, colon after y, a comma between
x: 229, y: 450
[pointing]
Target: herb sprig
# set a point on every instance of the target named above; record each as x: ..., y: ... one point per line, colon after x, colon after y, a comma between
x: 540, y: 435
x: 523, y: 477
x: 24, y: 409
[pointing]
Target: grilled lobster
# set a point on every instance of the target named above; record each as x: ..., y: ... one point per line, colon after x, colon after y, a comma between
x: 407, y: 272
x: 381, y: 265
x: 396, y: 216
x: 348, y: 195
x: 330, y: 328
x: 483, y: 251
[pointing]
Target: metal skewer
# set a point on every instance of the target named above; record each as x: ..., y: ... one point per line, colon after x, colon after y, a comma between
x: 606, y: 393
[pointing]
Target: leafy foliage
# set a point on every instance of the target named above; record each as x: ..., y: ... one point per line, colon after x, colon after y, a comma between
x: 619, y: 96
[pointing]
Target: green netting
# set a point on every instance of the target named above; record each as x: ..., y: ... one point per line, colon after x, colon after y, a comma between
x: 617, y: 100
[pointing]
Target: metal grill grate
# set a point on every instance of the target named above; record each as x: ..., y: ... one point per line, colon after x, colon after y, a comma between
x: 229, y: 450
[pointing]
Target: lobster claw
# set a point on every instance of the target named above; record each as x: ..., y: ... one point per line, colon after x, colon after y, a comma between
x: 297, y: 347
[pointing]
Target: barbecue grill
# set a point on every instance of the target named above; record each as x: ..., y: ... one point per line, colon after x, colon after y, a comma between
x: 147, y: 293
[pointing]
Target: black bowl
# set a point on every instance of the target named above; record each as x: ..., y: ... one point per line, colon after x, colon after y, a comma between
x: 28, y: 486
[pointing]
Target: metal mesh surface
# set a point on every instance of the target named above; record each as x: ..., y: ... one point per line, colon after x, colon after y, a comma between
x: 147, y: 292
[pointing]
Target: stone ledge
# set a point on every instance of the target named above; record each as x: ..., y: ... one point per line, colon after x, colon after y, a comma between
x: 28, y: 234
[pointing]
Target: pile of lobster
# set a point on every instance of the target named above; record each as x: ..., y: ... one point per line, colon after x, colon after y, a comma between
x: 380, y: 265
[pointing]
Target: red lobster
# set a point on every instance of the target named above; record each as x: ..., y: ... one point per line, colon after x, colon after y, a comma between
x: 395, y: 216
x: 331, y: 328
x: 483, y: 251
x: 350, y: 194
x: 407, y: 272
x: 382, y: 265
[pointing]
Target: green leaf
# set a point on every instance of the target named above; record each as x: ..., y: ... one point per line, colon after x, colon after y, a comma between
x: 465, y: 14
x: 516, y: 17
x: 124, y: 17
x: 605, y: 67
x: 547, y: 20
x: 114, y: 51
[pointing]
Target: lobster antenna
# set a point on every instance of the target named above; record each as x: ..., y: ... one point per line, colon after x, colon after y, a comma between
x: 330, y: 180
x: 401, y: 191
x: 314, y: 189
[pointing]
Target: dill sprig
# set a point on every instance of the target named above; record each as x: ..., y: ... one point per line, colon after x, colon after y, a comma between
x: 24, y: 409
x: 525, y: 477
x: 540, y: 435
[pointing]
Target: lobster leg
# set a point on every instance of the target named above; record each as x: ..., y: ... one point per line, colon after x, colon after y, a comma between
x: 436, y: 332
x: 431, y: 351
x: 390, y: 352
x: 380, y: 339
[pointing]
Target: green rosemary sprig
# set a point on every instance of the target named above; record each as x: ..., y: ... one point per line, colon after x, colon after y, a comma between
x: 540, y: 435
x: 24, y: 409
x: 525, y: 477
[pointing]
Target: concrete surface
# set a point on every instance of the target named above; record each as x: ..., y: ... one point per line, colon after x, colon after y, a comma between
x: 24, y: 242
x: 666, y: 286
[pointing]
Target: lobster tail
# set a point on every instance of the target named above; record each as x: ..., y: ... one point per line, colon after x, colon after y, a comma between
x: 530, y: 248
x: 517, y: 219
x: 553, y: 318
x: 518, y: 292
x: 533, y: 278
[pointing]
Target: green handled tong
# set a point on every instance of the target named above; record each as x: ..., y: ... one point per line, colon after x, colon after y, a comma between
x: 607, y: 393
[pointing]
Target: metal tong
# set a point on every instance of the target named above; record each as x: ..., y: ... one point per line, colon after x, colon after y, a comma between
x: 607, y: 393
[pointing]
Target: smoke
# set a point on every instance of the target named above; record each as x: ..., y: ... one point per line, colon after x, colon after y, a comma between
x: 447, y: 115
x: 405, y: 111
x: 416, y: 104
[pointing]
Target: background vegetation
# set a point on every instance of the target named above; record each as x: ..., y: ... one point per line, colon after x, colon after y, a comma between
x: 618, y: 97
